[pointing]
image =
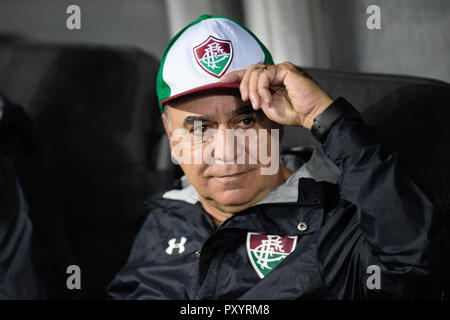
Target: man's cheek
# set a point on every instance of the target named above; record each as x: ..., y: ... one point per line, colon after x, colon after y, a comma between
x: 269, y: 151
x: 181, y: 147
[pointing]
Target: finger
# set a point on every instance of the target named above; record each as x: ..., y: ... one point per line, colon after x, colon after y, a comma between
x: 282, y: 71
x: 235, y: 76
x: 238, y: 76
x: 245, y: 82
x: 253, y: 88
x: 264, y: 82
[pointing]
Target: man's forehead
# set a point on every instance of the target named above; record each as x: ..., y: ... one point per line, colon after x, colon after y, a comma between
x: 212, y: 105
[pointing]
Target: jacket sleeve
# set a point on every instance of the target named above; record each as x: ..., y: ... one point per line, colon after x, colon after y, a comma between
x: 396, y: 222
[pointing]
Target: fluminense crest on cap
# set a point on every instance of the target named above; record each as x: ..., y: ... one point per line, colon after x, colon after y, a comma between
x: 214, y: 55
x: 204, y: 51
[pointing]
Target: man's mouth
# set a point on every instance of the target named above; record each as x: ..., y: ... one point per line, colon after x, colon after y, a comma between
x: 231, y: 175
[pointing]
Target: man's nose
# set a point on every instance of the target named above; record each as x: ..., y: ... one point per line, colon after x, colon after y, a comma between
x: 225, y: 149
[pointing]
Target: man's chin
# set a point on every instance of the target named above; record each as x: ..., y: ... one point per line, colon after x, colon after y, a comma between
x: 235, y: 200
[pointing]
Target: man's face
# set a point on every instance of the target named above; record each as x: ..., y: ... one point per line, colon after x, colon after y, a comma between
x: 220, y: 176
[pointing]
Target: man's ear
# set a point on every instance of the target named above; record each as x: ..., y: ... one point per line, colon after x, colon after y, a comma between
x: 168, y: 129
x: 166, y: 126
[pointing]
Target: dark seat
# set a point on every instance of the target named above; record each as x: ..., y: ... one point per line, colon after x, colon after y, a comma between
x: 96, y: 128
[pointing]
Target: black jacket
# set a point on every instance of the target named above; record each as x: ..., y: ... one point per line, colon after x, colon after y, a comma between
x: 373, y: 219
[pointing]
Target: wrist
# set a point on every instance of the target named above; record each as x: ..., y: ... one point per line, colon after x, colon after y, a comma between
x: 324, y: 121
x: 317, y: 110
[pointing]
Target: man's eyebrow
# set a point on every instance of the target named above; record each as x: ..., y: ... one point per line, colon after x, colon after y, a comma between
x: 190, y: 120
x: 248, y: 109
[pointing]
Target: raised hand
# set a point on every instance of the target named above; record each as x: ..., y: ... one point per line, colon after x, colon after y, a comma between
x: 285, y: 94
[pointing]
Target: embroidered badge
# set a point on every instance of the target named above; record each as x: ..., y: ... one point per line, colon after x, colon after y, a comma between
x: 214, y: 55
x: 267, y: 251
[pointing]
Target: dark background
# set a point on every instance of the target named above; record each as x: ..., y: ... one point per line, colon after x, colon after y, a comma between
x: 332, y: 34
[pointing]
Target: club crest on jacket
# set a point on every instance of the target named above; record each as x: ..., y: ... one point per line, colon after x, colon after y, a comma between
x: 267, y: 251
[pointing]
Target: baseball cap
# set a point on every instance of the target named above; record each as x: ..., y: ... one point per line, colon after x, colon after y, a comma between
x: 204, y: 51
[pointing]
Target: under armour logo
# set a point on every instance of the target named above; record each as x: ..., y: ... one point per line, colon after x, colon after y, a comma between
x: 174, y: 245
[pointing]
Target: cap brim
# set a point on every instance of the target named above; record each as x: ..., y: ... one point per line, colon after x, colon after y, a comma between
x: 211, y: 86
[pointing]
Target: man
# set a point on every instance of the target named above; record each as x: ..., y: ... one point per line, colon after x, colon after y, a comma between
x: 341, y: 224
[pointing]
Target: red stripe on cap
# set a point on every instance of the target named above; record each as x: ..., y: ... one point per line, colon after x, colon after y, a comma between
x: 216, y: 85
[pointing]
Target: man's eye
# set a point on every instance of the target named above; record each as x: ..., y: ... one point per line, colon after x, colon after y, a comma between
x: 199, y: 129
x: 247, y: 122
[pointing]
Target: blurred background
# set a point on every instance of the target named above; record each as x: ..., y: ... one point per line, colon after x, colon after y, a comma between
x: 81, y: 140
x: 414, y: 38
